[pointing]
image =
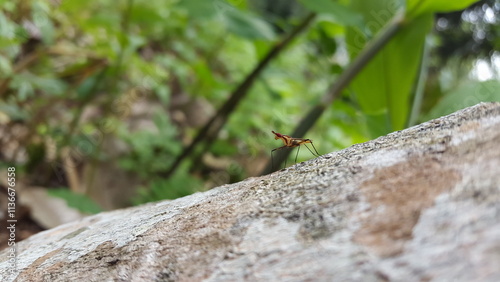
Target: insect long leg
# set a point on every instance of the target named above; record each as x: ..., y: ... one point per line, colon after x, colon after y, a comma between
x: 296, y: 155
x: 317, y: 154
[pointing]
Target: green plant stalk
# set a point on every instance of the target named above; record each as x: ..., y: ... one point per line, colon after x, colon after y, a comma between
x: 371, y: 49
x: 419, y: 87
x: 211, y: 129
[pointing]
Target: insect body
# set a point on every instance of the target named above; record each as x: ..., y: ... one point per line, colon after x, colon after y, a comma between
x: 290, y: 142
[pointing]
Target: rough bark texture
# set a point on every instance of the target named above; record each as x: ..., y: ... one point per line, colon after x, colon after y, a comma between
x: 422, y: 204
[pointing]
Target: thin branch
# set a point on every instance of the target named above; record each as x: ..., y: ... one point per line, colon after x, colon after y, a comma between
x: 420, y: 85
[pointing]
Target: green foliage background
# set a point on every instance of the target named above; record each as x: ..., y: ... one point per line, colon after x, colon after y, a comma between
x: 58, y: 61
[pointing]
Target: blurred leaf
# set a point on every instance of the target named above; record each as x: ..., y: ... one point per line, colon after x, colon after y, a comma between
x: 7, y: 30
x: 200, y: 9
x: 179, y: 185
x: 378, y: 124
x: 240, y: 23
x: 42, y: 21
x: 80, y: 202
x: 85, y: 144
x: 150, y: 151
x: 338, y: 13
x: 247, y: 26
x: 223, y: 148
x: 163, y: 93
x: 8, y: 5
x: 14, y: 112
x: 144, y: 14
x: 466, y: 95
x: 5, y: 67
x: 166, y: 129
x: 419, y: 7
x: 37, y: 154
x: 352, y: 124
x: 261, y: 48
x: 51, y: 86
x: 336, y: 69
x: 84, y: 90
x: 23, y: 85
x: 204, y: 74
x: 327, y: 42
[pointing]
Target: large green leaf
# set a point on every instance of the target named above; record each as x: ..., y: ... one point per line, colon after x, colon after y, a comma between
x: 466, y: 95
x: 419, y: 7
x: 80, y: 202
x: 383, y: 87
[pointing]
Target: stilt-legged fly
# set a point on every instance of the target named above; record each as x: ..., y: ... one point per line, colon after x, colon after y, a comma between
x: 290, y: 142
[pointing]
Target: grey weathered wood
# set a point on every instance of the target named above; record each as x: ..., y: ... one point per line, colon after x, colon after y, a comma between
x: 416, y: 205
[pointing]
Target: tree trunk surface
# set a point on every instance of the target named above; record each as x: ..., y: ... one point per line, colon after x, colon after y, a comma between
x: 422, y: 204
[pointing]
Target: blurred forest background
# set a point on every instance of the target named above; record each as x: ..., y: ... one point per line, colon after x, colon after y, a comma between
x: 112, y: 103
